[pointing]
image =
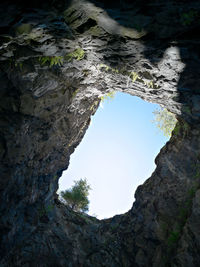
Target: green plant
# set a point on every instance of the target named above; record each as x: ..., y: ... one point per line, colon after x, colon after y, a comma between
x: 182, y: 127
x: 103, y: 66
x: 183, y: 213
x: 13, y: 62
x: 77, y: 196
x: 55, y: 177
x: 19, y: 65
x: 24, y: 28
x: 173, y: 238
x: 150, y: 84
x: 189, y: 17
x: 197, y: 174
x: 177, y: 129
x: 192, y: 192
x: 51, y: 61
x: 77, y: 54
x: 133, y: 75
x: 85, y: 72
x: 187, y: 110
x: 182, y: 216
x: 94, y: 105
x: 114, y: 227
x: 165, y: 121
x: 186, y: 128
x: 44, y: 210
x: 49, y: 207
x: 74, y: 93
x: 108, y: 96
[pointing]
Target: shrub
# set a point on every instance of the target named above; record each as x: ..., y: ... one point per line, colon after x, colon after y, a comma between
x: 77, y: 196
x: 165, y: 121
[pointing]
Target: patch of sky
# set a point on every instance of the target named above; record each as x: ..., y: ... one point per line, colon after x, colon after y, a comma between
x: 116, y: 154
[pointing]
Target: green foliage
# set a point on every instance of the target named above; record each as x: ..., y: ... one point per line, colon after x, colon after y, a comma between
x: 134, y: 76
x: 182, y: 215
x: 94, y: 105
x: 183, y: 128
x: 14, y: 63
x: 173, y: 238
x: 192, y: 192
x: 55, y: 177
x: 77, y: 196
x: 24, y: 28
x: 189, y: 17
x: 44, y: 210
x: 108, y: 96
x: 74, y: 93
x: 150, y: 84
x: 165, y: 121
x: 19, y: 65
x: 104, y: 66
x: 186, y: 128
x: 186, y: 110
x: 51, y: 61
x: 85, y: 72
x: 77, y: 54
x: 177, y: 129
x: 197, y: 174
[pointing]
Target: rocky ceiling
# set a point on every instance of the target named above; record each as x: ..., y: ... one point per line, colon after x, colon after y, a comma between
x: 57, y: 59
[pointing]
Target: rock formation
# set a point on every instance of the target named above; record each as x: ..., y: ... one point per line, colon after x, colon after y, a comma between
x: 57, y: 59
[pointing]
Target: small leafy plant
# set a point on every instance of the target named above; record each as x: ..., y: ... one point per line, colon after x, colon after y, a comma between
x: 51, y: 61
x: 44, y: 210
x: 19, y: 65
x: 173, y: 238
x: 165, y: 121
x: 189, y: 17
x: 134, y: 76
x: 77, y: 54
x: 108, y: 96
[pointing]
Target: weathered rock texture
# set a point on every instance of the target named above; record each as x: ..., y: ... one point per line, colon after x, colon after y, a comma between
x: 57, y: 60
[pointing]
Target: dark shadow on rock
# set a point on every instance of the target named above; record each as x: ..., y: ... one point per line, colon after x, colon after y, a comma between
x: 162, y: 23
x: 167, y: 24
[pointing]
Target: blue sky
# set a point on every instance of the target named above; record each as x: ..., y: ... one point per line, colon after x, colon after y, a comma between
x: 116, y: 154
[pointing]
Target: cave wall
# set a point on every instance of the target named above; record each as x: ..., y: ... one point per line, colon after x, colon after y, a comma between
x: 56, y: 61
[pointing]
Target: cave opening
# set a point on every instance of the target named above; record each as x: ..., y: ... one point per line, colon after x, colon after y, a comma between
x: 116, y: 154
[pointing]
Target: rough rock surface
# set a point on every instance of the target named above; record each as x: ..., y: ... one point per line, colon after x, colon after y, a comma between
x: 56, y: 61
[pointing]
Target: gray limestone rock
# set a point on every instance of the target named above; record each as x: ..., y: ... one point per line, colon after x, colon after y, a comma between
x: 56, y: 62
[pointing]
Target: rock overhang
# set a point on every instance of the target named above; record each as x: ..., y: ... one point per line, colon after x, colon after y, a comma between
x: 47, y: 100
